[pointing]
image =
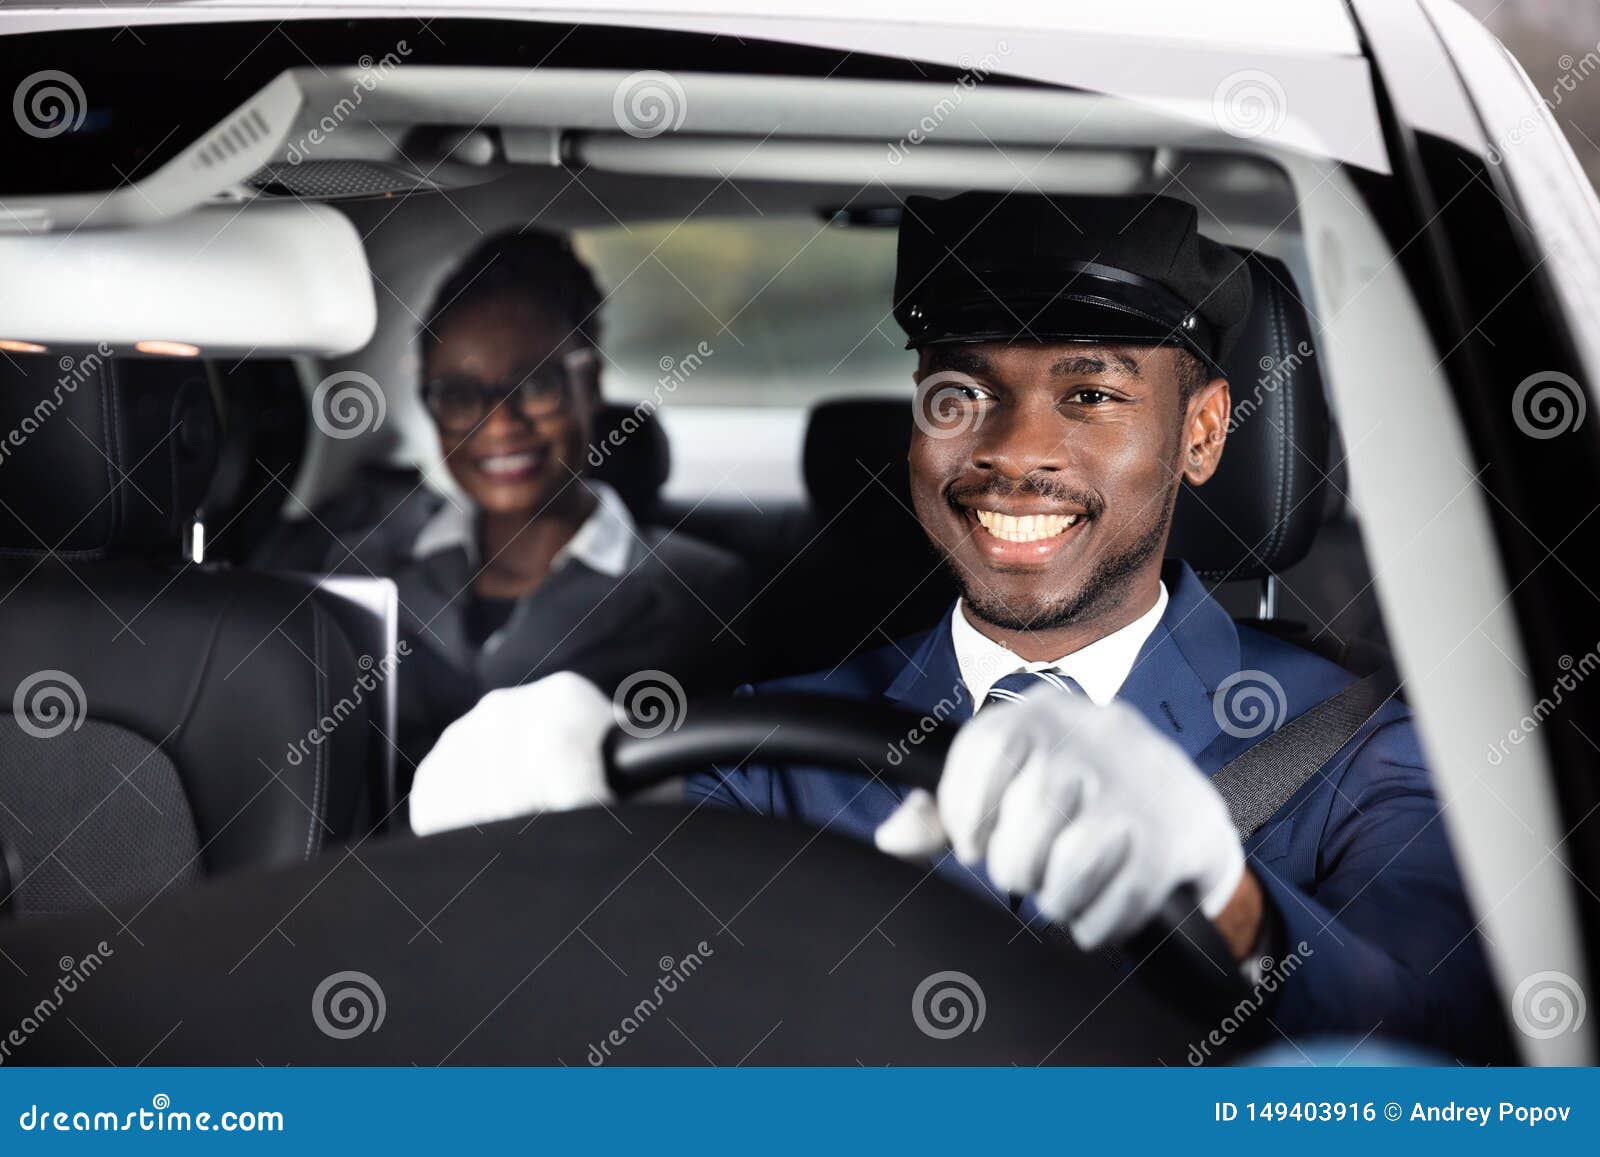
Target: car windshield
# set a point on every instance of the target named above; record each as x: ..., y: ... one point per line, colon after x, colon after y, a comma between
x: 856, y: 503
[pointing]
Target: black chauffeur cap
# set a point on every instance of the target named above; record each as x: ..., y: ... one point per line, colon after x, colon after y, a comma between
x: 1030, y: 267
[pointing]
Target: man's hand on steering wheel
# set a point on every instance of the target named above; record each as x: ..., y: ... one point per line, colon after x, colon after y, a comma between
x: 1090, y: 810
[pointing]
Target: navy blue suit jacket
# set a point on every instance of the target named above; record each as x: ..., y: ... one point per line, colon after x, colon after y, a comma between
x: 1356, y: 866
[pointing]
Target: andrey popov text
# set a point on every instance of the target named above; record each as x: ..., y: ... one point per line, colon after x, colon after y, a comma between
x: 1447, y: 1113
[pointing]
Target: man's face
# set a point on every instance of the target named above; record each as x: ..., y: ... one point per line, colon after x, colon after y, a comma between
x: 1046, y: 474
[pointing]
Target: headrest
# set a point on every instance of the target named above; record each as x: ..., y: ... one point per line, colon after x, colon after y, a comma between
x: 102, y: 456
x: 1260, y: 512
x: 631, y: 454
x: 849, y: 441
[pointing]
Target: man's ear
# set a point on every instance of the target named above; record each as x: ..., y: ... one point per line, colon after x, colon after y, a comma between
x: 1205, y: 429
x: 921, y: 370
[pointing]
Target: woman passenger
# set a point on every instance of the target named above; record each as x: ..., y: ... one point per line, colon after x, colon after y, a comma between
x: 536, y: 567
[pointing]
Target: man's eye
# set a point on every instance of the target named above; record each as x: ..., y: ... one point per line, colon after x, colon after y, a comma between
x: 935, y: 392
x: 1091, y: 397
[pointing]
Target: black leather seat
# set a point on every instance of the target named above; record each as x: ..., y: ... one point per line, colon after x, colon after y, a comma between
x: 1260, y: 512
x: 867, y: 575
x: 160, y: 721
x: 863, y: 573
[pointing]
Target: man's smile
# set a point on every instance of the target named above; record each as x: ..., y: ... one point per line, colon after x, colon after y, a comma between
x: 1021, y: 533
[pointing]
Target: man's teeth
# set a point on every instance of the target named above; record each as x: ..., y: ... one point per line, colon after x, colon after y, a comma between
x: 1024, y: 528
x: 505, y: 463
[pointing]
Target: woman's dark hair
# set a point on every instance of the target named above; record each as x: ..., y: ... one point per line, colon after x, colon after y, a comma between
x: 535, y: 266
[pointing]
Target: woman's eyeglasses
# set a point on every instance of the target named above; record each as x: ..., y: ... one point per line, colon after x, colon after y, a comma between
x: 460, y: 404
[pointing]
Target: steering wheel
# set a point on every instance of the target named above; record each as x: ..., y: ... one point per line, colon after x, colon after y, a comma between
x: 1180, y: 953
x: 632, y: 935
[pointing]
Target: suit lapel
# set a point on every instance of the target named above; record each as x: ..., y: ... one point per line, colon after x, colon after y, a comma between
x: 931, y: 679
x: 1192, y: 649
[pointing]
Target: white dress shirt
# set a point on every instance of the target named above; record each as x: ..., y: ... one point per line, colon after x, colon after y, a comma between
x: 1099, y: 668
x: 603, y: 542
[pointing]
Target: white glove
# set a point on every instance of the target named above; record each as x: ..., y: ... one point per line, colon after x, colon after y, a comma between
x: 533, y: 748
x: 1090, y: 809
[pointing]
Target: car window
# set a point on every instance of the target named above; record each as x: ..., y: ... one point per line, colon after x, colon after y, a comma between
x: 766, y: 311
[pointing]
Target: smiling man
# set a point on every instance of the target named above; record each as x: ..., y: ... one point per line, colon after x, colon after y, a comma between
x: 1068, y: 385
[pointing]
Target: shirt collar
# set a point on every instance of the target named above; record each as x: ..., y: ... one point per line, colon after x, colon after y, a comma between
x: 1099, y: 668
x: 603, y: 542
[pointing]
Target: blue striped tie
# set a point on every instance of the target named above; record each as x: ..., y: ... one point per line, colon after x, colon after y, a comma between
x: 1010, y: 688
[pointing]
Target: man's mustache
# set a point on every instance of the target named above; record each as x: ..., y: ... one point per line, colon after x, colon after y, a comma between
x: 1038, y: 484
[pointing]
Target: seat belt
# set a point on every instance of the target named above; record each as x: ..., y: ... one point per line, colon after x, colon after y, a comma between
x: 1258, y: 782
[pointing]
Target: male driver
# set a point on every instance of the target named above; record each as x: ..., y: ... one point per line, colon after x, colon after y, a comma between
x: 1068, y: 384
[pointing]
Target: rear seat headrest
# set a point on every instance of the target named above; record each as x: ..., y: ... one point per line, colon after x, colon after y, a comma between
x: 100, y: 455
x: 855, y: 457
x: 1258, y: 515
x: 630, y: 453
